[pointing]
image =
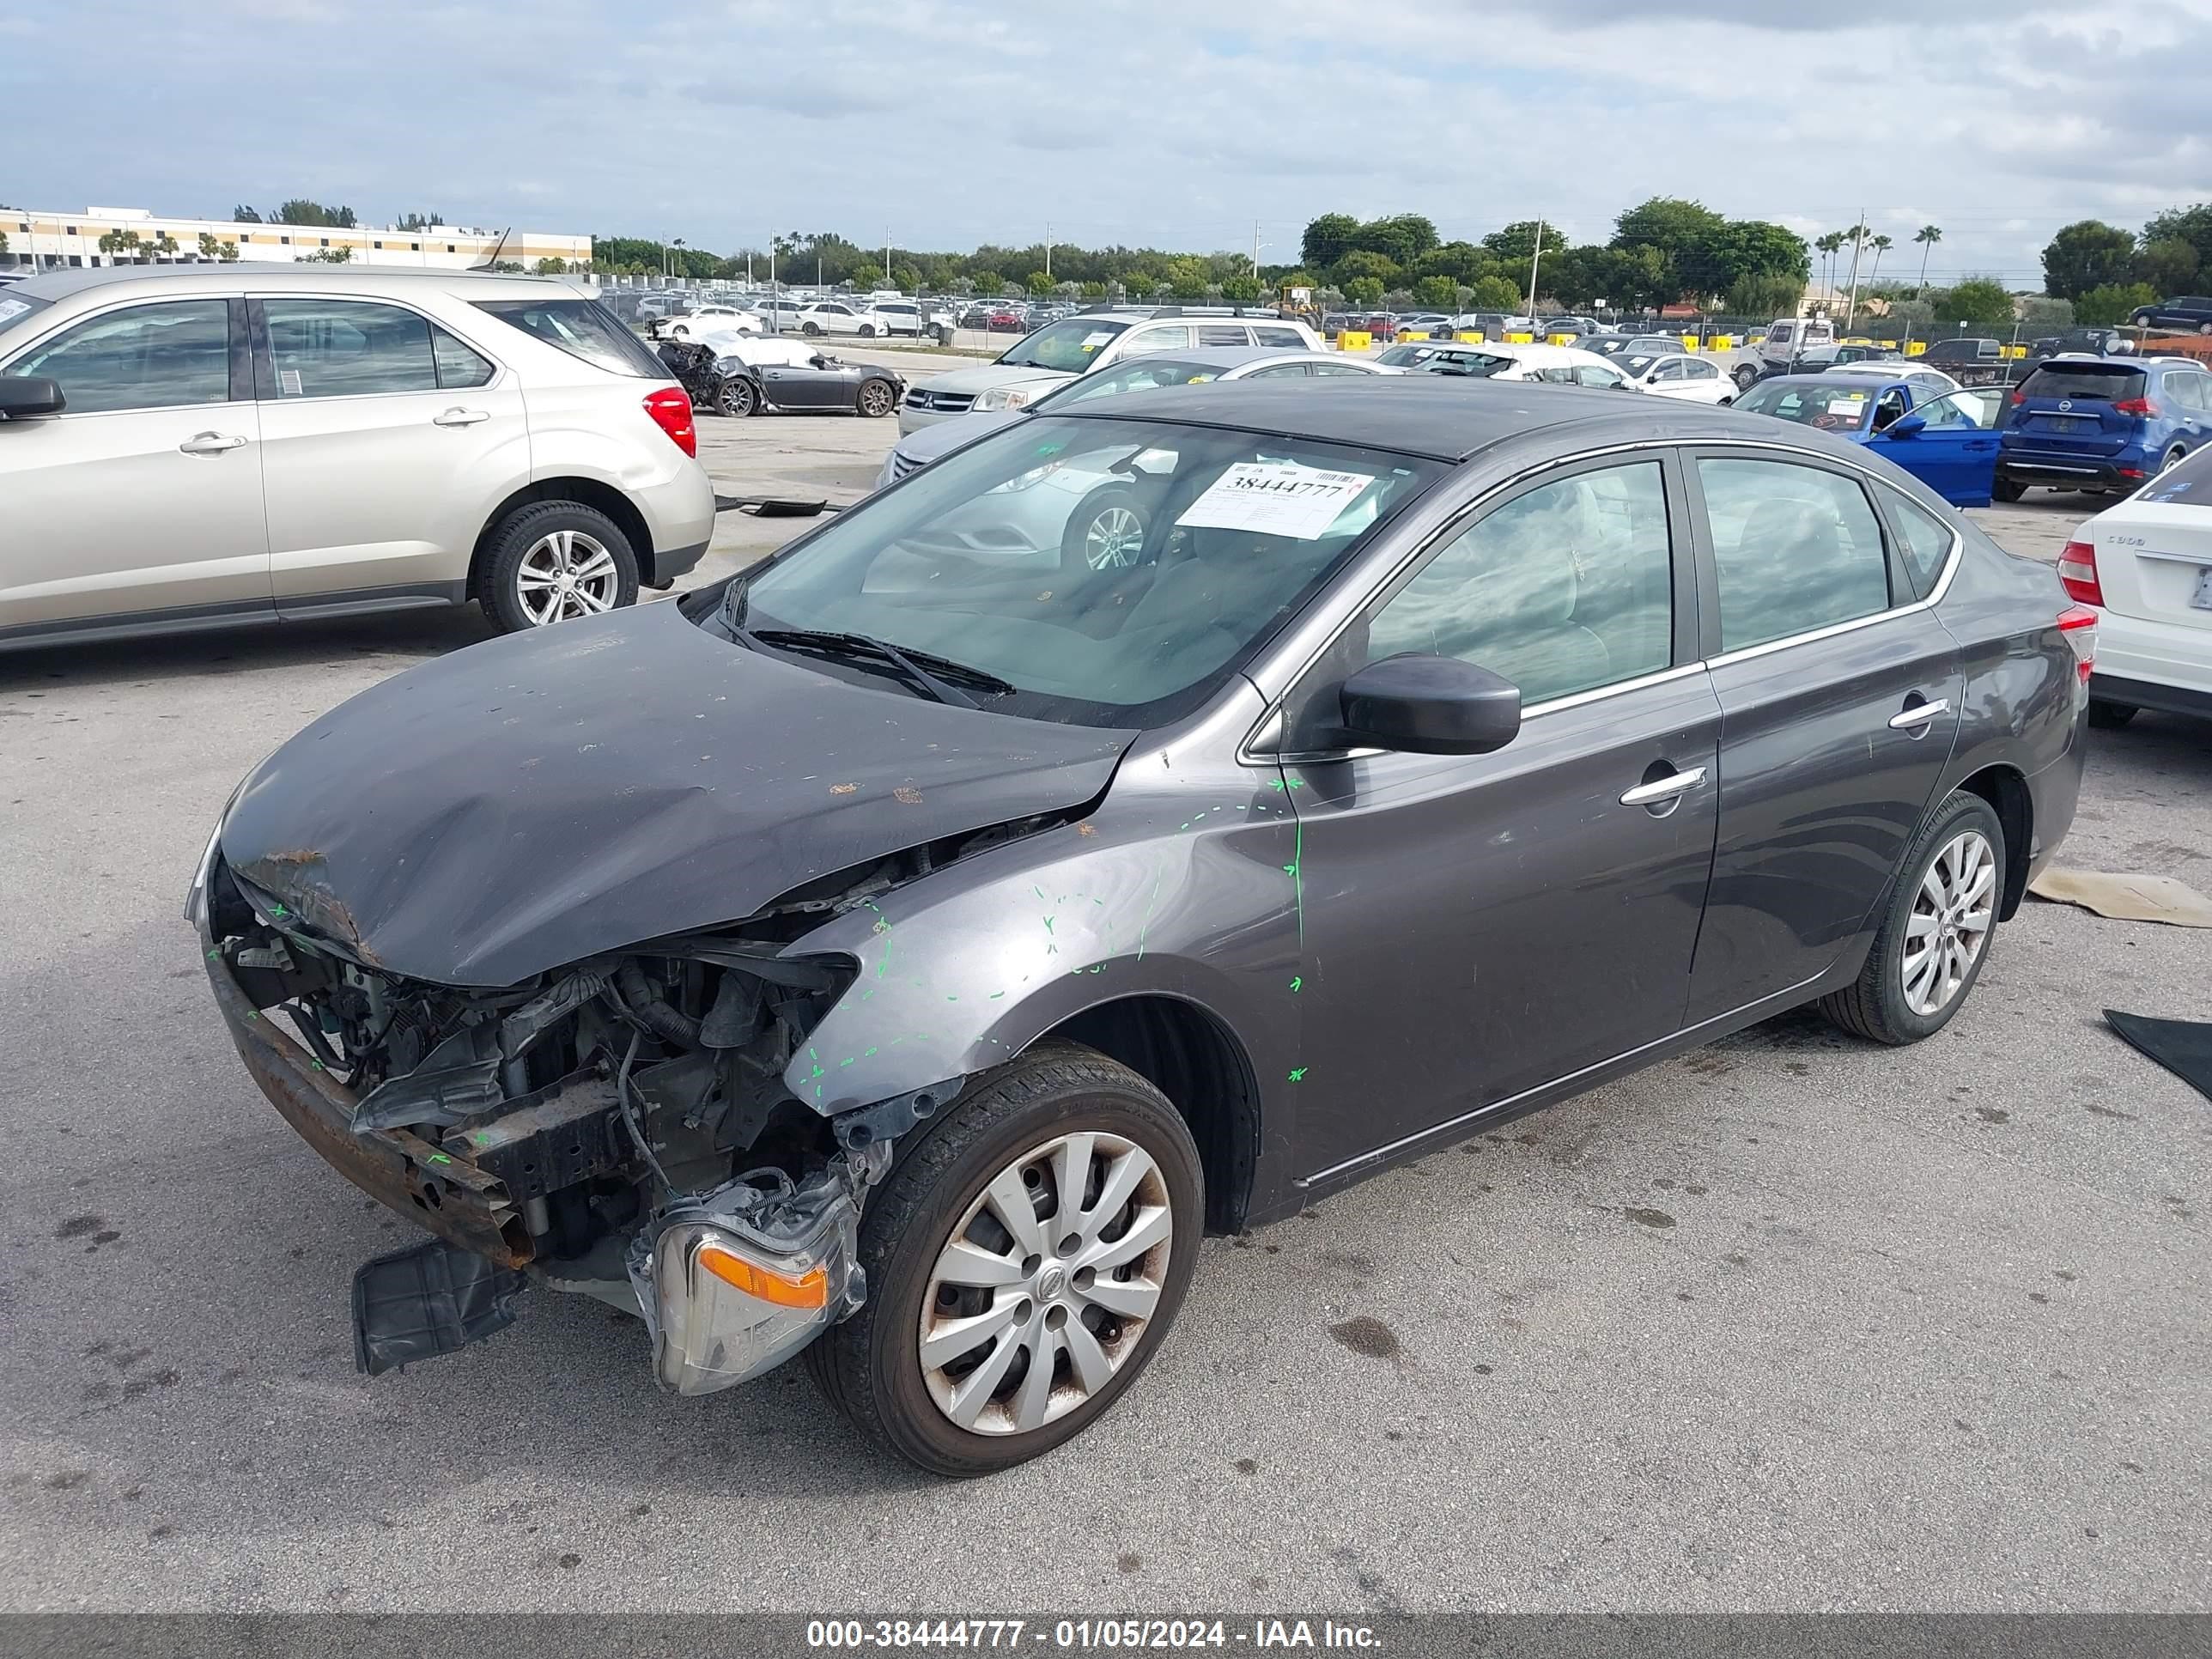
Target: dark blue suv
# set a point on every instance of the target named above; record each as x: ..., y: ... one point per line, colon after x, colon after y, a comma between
x: 2101, y: 422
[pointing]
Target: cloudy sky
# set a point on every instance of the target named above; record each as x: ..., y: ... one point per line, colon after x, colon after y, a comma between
x: 1174, y: 123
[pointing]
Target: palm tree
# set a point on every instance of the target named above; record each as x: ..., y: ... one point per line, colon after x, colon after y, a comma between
x: 1830, y: 245
x: 1928, y: 236
x: 1880, y: 245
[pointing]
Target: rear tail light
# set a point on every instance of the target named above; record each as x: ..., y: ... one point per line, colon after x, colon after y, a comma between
x: 2077, y: 571
x: 2017, y: 396
x: 669, y: 406
x: 2143, y: 406
x: 2077, y: 625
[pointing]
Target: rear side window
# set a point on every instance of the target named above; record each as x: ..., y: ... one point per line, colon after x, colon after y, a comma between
x: 458, y: 366
x: 1927, y: 540
x: 1287, y: 338
x: 1796, y: 549
x: 1222, y: 334
x: 347, y: 348
x: 154, y: 356
x: 2110, y: 382
x: 583, y: 329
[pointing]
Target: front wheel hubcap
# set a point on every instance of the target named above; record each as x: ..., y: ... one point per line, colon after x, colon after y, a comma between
x: 1043, y: 1290
x: 566, y: 573
x: 1950, y: 922
x: 1114, y: 538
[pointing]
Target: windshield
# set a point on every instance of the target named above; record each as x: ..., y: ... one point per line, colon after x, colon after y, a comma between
x: 1114, y: 572
x: 1069, y: 346
x: 582, y: 328
x: 1841, y: 407
x: 1140, y: 375
x: 1445, y: 360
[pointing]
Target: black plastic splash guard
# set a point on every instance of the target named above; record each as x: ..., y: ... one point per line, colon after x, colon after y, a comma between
x: 417, y: 1303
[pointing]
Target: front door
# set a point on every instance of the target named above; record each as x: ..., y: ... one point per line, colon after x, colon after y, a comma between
x: 1839, y: 700
x: 387, y: 442
x: 790, y: 386
x: 1954, y: 454
x: 142, y: 499
x: 1474, y: 926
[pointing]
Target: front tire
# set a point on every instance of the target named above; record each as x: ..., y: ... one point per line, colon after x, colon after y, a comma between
x: 867, y: 330
x: 1935, y: 931
x: 553, y: 561
x: 877, y: 399
x: 813, y: 328
x: 1107, y: 530
x: 2005, y: 489
x: 980, y: 1269
x: 1745, y: 377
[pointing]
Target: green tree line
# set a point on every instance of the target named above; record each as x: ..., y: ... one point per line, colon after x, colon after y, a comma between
x: 2107, y: 271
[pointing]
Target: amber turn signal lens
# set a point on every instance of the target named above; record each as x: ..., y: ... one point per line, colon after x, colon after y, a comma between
x: 808, y: 1290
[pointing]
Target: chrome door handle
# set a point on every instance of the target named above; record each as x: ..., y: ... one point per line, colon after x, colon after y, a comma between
x: 1645, y: 794
x: 210, y: 443
x: 460, y: 417
x: 1919, y: 715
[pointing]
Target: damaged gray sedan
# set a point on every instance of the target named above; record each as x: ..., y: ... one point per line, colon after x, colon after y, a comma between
x: 903, y: 956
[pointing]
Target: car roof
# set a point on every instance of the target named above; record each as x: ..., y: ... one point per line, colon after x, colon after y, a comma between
x: 1829, y: 377
x: 305, y: 273
x: 1438, y: 418
x: 1245, y: 356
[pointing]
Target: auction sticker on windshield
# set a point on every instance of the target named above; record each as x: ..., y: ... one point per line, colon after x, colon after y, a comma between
x: 1276, y: 498
x: 1093, y: 342
x: 11, y: 308
x: 1847, y: 409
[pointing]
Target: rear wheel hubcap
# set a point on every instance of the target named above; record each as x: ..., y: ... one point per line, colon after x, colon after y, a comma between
x: 1950, y: 922
x: 1044, y: 1289
x: 566, y: 573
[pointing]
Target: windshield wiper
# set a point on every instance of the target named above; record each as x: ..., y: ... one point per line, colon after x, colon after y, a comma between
x: 910, y: 664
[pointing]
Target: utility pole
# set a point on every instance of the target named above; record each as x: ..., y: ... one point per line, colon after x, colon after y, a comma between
x: 1256, y: 249
x: 1858, y: 241
x: 1048, y: 250
x: 1536, y: 258
x: 887, y: 258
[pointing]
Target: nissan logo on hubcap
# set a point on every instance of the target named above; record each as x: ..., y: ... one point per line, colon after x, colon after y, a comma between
x: 1052, y: 1281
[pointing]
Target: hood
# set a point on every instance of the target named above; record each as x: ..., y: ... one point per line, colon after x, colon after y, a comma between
x: 931, y: 441
x: 531, y: 801
x: 984, y: 376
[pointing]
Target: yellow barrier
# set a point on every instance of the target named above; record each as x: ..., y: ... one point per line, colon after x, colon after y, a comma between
x: 1689, y: 341
x: 1470, y: 337
x: 1722, y: 343
x: 1856, y: 339
x: 1354, y: 339
x: 1520, y: 339
x: 1914, y: 348
x: 1562, y: 339
x: 1413, y: 334
x: 2012, y: 351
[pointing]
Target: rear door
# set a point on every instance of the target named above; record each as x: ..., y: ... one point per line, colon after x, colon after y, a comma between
x: 143, y: 498
x: 1839, y: 694
x: 387, y: 440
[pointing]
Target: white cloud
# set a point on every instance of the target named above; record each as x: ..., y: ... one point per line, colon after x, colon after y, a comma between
x: 942, y: 123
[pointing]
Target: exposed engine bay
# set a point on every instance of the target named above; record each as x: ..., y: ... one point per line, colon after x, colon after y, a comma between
x: 621, y: 1126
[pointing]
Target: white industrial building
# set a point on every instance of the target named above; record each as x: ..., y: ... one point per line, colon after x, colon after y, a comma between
x: 46, y: 241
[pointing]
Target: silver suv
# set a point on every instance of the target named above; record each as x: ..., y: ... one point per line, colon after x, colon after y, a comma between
x: 195, y: 448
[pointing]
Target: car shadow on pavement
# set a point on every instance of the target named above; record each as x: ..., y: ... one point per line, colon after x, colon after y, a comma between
x: 410, y: 635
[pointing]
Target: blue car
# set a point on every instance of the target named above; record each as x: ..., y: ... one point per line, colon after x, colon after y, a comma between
x: 1946, y: 440
x: 2103, y: 423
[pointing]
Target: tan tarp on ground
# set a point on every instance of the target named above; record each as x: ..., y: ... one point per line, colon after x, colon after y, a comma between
x: 2126, y: 898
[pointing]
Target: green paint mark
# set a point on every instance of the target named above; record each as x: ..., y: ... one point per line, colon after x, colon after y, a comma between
x: 1296, y: 870
x: 214, y: 952
x: 865, y: 1053
x: 1039, y: 891
x: 848, y: 1059
x: 440, y: 1158
x: 950, y: 998
x: 995, y: 995
x: 1299, y: 1075
x: 1047, y: 924
x: 817, y: 1071
x: 1298, y: 984
x: 314, y: 1065
x: 277, y: 910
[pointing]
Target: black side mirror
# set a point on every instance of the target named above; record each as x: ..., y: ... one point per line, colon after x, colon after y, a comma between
x: 23, y: 396
x: 1426, y: 705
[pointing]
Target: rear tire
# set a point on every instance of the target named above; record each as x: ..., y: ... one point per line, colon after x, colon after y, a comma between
x: 2005, y: 489
x: 520, y: 585
x: 1900, y: 996
x: 1012, y: 1132
x: 867, y: 330
x: 2111, y: 716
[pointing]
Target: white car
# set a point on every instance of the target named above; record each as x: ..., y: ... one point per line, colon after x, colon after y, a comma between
x: 1555, y: 365
x: 907, y: 316
x: 836, y: 316
x: 702, y: 320
x: 186, y: 446
x: 1924, y: 382
x: 1677, y: 374
x: 1083, y: 344
x: 2146, y: 565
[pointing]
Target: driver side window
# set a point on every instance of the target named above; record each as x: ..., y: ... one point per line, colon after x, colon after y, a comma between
x: 1564, y: 588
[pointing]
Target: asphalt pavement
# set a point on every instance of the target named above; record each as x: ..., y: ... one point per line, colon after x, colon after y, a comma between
x: 1794, y: 1322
